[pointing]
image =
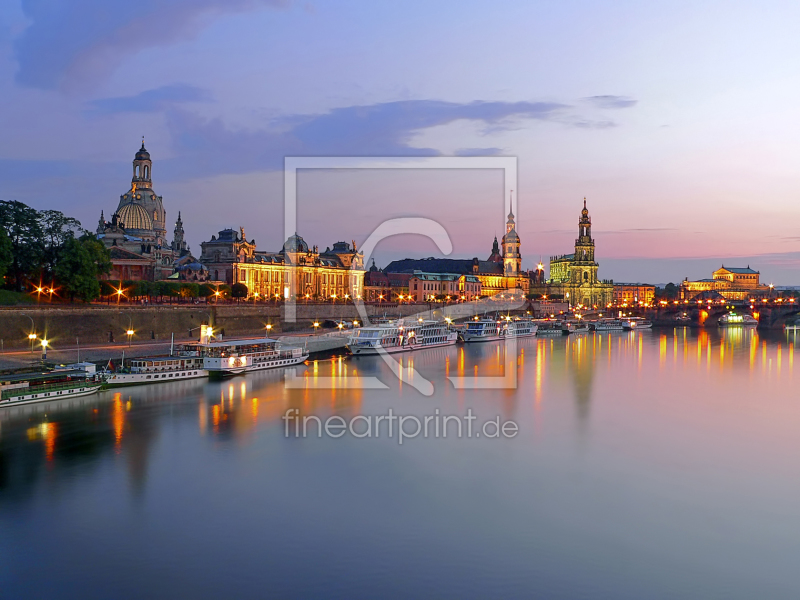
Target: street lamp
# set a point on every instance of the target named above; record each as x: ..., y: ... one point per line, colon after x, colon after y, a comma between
x: 316, y: 325
x: 119, y: 293
x: 32, y: 334
x: 45, y: 343
x: 130, y: 333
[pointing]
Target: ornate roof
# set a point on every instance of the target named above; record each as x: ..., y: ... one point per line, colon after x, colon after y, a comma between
x: 142, y: 154
x: 295, y: 243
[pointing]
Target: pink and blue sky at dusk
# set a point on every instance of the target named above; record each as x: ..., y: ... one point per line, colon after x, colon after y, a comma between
x: 677, y: 121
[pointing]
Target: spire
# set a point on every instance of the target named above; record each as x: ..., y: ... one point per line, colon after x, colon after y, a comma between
x: 511, y: 206
x: 584, y: 202
x: 142, y: 148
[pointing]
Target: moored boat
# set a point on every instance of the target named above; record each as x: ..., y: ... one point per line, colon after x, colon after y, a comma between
x: 636, y: 323
x: 27, y: 388
x: 607, y: 325
x: 481, y: 330
x: 547, y: 328
x: 232, y: 357
x: 735, y: 319
x: 387, y: 337
x: 159, y: 369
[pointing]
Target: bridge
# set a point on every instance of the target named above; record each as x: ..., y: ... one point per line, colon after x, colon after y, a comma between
x: 771, y: 313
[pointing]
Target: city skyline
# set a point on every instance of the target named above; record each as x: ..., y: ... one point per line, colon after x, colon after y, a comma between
x: 684, y: 166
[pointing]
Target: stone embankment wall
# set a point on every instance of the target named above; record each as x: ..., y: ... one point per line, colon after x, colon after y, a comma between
x: 95, y: 324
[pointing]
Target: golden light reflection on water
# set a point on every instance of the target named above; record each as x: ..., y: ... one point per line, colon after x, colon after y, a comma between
x: 238, y: 406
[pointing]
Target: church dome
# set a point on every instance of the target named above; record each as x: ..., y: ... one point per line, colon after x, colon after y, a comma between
x: 134, y: 216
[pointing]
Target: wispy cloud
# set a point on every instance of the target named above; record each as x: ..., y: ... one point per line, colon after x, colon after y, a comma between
x: 609, y: 101
x: 478, y: 151
x: 81, y: 41
x: 154, y: 100
x: 384, y: 129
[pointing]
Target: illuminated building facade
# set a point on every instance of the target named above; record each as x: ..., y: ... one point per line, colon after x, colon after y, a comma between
x: 732, y: 283
x: 297, y: 270
x: 501, y: 272
x: 634, y: 294
x: 428, y: 287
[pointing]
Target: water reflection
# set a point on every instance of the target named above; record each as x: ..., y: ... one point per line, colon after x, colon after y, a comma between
x: 666, y: 409
x: 82, y: 430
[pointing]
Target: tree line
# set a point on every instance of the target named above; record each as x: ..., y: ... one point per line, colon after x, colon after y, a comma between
x: 159, y: 290
x: 46, y: 247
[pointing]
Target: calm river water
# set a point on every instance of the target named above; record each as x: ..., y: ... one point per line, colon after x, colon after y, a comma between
x: 655, y: 464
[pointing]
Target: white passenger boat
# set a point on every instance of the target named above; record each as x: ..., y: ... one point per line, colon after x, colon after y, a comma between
x: 482, y: 330
x: 607, y: 325
x: 187, y: 364
x: 390, y: 337
x: 634, y: 323
x: 734, y: 319
x: 573, y: 327
x: 521, y: 328
x: 28, y: 388
x: 233, y: 357
x: 397, y: 336
x: 428, y: 334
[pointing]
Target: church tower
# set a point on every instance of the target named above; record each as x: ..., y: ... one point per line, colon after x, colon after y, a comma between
x: 142, y: 165
x: 178, y: 241
x: 584, y: 268
x: 512, y: 259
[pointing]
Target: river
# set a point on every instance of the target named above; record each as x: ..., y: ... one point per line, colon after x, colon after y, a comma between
x: 650, y: 464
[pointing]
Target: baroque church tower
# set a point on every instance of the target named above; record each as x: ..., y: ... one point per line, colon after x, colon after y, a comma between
x: 512, y: 259
x: 584, y: 267
x: 179, y: 245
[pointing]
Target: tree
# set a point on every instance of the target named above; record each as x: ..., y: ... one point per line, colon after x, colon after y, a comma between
x: 99, y: 253
x: 76, y: 271
x: 56, y: 230
x: 21, y: 223
x: 238, y: 291
x: 190, y: 290
x: 206, y: 290
x: 6, y: 257
x: 79, y: 265
x: 669, y: 291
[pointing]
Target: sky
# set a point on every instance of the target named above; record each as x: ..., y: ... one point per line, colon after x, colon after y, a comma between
x: 677, y: 121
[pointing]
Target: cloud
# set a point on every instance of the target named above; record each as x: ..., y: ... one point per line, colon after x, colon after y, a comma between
x: 610, y: 101
x: 75, y: 43
x: 478, y: 151
x: 154, y: 100
x: 384, y: 129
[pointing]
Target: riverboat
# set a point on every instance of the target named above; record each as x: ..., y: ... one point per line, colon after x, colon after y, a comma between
x: 27, y: 388
x: 233, y: 357
x: 482, y: 330
x: 734, y: 319
x: 634, y: 323
x: 569, y: 328
x: 549, y: 328
x: 607, y: 325
x: 397, y: 336
x: 188, y: 363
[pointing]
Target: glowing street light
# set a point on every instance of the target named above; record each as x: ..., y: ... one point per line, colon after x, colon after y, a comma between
x: 45, y: 343
x: 130, y: 333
